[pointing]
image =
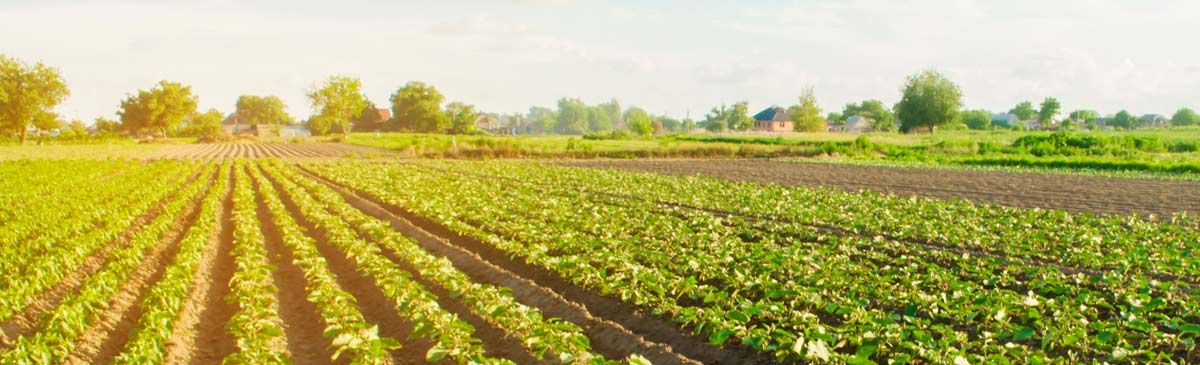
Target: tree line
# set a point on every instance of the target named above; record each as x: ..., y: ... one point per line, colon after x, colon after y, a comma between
x: 929, y: 101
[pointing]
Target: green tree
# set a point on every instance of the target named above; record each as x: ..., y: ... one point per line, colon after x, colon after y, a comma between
x: 1124, y: 120
x: 687, y: 125
x: 107, y: 126
x: 599, y: 120
x: 739, y: 118
x: 881, y: 117
x: 204, y: 124
x: 930, y: 100
x: 639, y: 121
x: 542, y: 119
x: 807, y: 115
x: 27, y: 94
x: 1049, y: 109
x: 1185, y: 116
x: 1084, y: 116
x: 337, y: 103
x: 613, y: 109
x: 1024, y: 111
x: 161, y: 108
x: 462, y: 117
x: 716, y: 119
x: 572, y: 116
x: 835, y: 118
x: 977, y: 118
x: 369, y: 119
x: 418, y: 107
x: 266, y: 110
x: 668, y: 124
x: 77, y: 129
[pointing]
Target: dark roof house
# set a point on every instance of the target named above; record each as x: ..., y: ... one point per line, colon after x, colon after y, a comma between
x: 774, y: 119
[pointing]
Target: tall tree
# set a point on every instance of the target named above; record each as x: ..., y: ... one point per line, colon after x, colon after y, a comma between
x: 27, y: 94
x: 106, y: 125
x: 542, y: 119
x: 1184, y: 117
x: 338, y: 102
x: 369, y: 119
x: 1084, y: 115
x: 1124, y: 120
x: 977, y: 119
x: 572, y: 116
x: 267, y: 110
x: 613, y: 109
x: 881, y: 117
x: 1049, y: 109
x: 930, y: 100
x: 807, y: 115
x: 639, y: 121
x: 1024, y: 111
x: 161, y: 108
x: 204, y: 124
x: 599, y: 120
x: 77, y: 129
x: 462, y: 117
x: 835, y: 118
x: 739, y: 118
x: 418, y: 107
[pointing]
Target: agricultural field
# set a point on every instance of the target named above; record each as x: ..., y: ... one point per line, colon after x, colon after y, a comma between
x: 253, y: 255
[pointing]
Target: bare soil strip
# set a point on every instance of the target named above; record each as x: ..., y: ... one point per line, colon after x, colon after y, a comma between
x: 200, y: 335
x: 1094, y: 194
x: 104, y: 339
x: 370, y: 299
x: 613, y: 326
x: 302, y: 323
x: 30, y: 318
x: 308, y: 150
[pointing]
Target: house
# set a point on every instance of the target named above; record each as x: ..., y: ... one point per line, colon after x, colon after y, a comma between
x: 233, y: 126
x: 1006, y: 119
x: 1154, y: 121
x: 385, y: 114
x: 294, y: 130
x: 774, y: 119
x: 857, y: 124
x: 488, y: 122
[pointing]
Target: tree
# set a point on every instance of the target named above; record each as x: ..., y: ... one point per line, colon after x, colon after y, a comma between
x: 687, y: 125
x: 337, y: 103
x: 106, y: 125
x: 204, y: 124
x: 369, y: 119
x: 716, y: 119
x: 1084, y: 116
x: 599, y: 120
x: 613, y: 109
x: 77, y: 129
x: 572, y: 116
x: 668, y: 124
x: 1049, y: 109
x: 1185, y: 116
x: 1024, y: 111
x: 268, y: 110
x: 738, y: 117
x: 1124, y: 120
x: 27, y: 94
x: 930, y: 100
x: 881, y: 117
x: 462, y: 117
x: 639, y: 121
x: 161, y: 108
x: 807, y: 115
x: 418, y: 107
x: 977, y: 119
x: 835, y: 118
x: 542, y: 118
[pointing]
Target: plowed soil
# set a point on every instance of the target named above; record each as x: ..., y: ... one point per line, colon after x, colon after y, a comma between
x: 1073, y: 193
x: 218, y: 151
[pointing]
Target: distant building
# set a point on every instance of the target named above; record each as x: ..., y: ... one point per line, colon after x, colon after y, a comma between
x: 857, y: 124
x: 774, y: 119
x: 1154, y: 121
x: 294, y: 130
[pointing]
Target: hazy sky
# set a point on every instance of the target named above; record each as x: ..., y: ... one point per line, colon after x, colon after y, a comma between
x: 670, y: 57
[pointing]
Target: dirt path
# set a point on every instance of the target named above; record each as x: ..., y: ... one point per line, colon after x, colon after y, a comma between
x: 616, y: 328
x: 1015, y: 189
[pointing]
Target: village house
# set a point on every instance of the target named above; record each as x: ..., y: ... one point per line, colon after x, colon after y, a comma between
x: 1154, y: 121
x: 774, y: 120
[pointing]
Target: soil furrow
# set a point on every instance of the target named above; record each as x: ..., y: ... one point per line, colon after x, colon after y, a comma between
x: 105, y: 338
x: 303, y: 325
x: 200, y: 335
x: 30, y: 318
x: 370, y: 299
x: 655, y: 330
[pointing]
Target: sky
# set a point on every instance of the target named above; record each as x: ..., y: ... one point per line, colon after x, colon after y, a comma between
x: 677, y: 58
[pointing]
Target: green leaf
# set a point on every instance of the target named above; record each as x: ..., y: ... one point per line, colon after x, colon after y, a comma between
x: 718, y: 338
x: 738, y: 316
x: 1193, y: 329
x: 435, y: 354
x: 1023, y: 334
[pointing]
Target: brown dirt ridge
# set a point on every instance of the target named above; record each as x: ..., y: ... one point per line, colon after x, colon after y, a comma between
x: 1095, y: 194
